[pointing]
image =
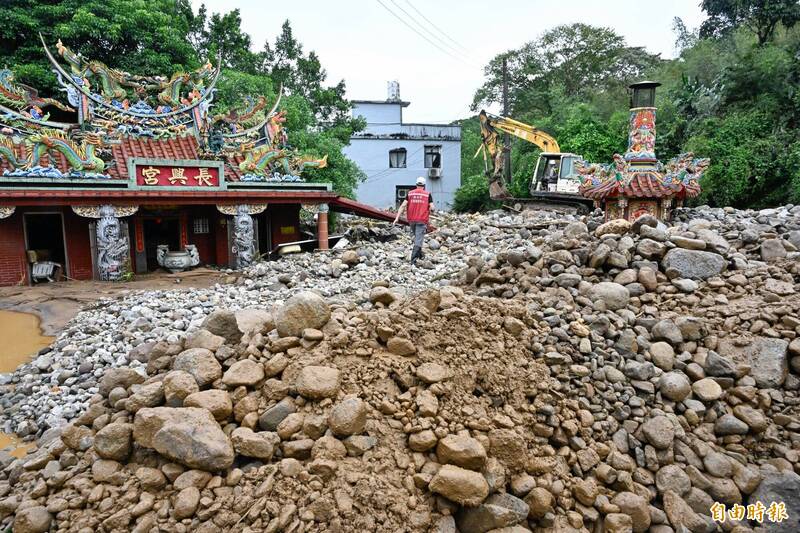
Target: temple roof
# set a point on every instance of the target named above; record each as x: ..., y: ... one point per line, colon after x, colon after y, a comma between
x: 640, y: 184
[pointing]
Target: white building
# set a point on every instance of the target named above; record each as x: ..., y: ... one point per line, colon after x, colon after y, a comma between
x: 393, y: 154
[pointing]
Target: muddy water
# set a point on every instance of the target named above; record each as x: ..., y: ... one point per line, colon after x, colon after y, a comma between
x: 20, y: 339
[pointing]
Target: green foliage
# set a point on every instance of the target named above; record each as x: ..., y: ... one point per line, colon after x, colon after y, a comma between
x: 760, y: 16
x: 473, y: 195
x: 160, y: 37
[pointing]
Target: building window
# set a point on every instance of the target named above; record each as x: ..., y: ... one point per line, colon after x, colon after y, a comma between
x: 433, y: 156
x: 401, y: 193
x: 397, y: 158
x: 200, y: 226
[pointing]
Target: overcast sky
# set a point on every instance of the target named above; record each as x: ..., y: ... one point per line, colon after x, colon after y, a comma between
x: 361, y: 42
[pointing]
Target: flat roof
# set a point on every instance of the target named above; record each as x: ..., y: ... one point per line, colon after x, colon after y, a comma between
x: 391, y: 102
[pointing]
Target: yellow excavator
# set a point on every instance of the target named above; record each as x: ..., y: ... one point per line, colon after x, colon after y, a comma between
x: 554, y: 184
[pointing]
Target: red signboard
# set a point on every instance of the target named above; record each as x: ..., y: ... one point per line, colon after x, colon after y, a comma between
x: 176, y: 176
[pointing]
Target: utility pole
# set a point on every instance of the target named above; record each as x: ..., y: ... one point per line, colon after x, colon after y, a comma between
x: 506, y: 137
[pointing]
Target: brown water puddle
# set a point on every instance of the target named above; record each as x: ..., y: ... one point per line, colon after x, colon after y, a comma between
x: 20, y: 339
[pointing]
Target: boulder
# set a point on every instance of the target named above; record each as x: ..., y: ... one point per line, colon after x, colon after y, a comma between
x: 707, y: 390
x: 783, y: 486
x: 223, y: 322
x: 35, y: 519
x: 200, y: 363
x: 767, y: 358
x: 244, y: 372
x: 301, y: 311
x: 462, y: 486
x: 674, y: 386
x: 114, y: 441
x: 497, y: 511
x: 252, y: 320
x: 618, y: 226
x: 613, y: 295
x: 185, y: 503
x: 461, y: 450
x: 401, y: 346
x: 260, y: 445
x: 694, y: 264
x: 178, y: 384
x: 202, y: 338
x: 187, y: 435
x: 318, y: 382
x: 636, y: 507
x: 119, y: 377
x: 728, y: 424
x: 217, y: 402
x: 659, y: 432
x: 382, y: 295
x: 772, y: 250
x: 673, y: 478
x: 272, y: 417
x: 432, y: 373
x: 348, y: 417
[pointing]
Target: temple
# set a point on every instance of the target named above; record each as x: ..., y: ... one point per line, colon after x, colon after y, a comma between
x: 138, y: 174
x: 636, y: 183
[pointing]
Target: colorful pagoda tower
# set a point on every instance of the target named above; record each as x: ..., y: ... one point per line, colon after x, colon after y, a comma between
x: 637, y: 183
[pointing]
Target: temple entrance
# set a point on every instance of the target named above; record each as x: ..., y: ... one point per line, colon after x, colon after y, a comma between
x: 44, y: 244
x: 157, y: 231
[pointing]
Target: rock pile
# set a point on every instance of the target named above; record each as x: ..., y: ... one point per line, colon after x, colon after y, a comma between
x: 573, y: 376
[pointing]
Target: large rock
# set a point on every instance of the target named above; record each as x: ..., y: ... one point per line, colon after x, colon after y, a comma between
x: 462, y: 486
x: 223, y: 322
x: 178, y: 384
x: 674, y: 386
x: 659, y: 432
x: 114, y: 441
x: 636, y: 507
x: 301, y: 311
x: 215, y: 401
x: 498, y: 511
x: 186, y: 502
x: 614, y: 295
x: 707, y: 390
x: 244, y: 372
x: 202, y: 338
x: 252, y: 320
x: 773, y: 250
x: 200, y: 363
x: 461, y: 450
x: 272, y: 417
x: 694, y: 264
x: 35, y: 519
x: 682, y: 517
x: 260, y: 445
x: 779, y: 487
x: 618, y: 226
x: 318, y: 382
x: 119, y: 377
x: 766, y: 357
x: 187, y: 435
x: 348, y: 417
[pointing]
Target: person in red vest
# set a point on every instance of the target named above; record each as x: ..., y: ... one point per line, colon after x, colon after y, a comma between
x: 418, y: 206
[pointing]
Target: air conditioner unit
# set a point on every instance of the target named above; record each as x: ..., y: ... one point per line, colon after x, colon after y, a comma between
x: 434, y: 173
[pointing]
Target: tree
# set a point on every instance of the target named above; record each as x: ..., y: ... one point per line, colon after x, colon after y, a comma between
x: 132, y: 35
x: 578, y: 59
x: 760, y: 16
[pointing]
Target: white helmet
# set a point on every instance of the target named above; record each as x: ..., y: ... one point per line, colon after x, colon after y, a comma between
x: 421, y: 181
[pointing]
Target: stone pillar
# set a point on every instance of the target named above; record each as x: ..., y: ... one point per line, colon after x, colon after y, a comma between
x: 243, y: 234
x: 112, y: 245
x: 322, y: 226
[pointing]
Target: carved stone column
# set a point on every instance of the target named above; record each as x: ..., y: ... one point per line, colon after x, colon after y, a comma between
x: 243, y: 234
x: 112, y: 245
x: 322, y: 226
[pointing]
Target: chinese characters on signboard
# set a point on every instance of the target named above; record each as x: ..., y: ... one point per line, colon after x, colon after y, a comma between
x: 168, y: 176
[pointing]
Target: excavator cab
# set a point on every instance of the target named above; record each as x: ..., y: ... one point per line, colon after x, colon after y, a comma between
x: 555, y: 172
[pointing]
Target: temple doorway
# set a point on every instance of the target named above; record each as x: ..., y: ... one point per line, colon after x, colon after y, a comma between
x: 44, y: 242
x: 157, y: 231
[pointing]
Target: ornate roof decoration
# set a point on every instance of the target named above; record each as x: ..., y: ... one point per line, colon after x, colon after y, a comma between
x: 638, y: 174
x: 121, y: 115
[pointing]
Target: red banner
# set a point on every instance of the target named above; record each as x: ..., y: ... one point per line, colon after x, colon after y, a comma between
x: 168, y: 176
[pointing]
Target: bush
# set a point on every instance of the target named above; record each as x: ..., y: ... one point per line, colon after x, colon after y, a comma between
x: 473, y: 195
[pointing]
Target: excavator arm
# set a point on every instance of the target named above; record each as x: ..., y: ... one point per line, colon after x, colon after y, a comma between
x: 491, y: 127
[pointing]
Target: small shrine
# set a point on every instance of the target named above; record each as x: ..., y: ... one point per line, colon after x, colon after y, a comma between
x: 637, y: 183
x: 135, y: 172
